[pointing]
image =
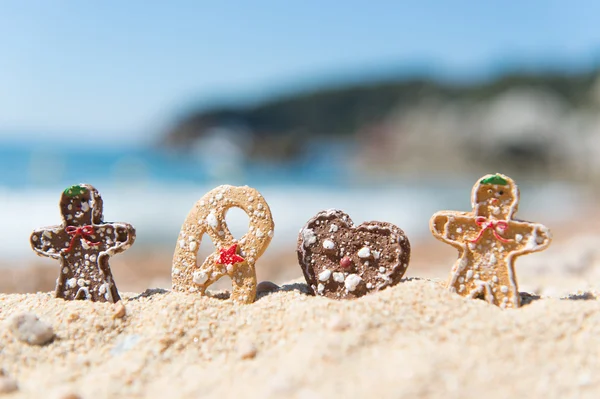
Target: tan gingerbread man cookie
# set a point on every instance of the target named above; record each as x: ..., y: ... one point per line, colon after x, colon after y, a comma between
x: 83, y: 243
x: 489, y: 240
x: 233, y: 258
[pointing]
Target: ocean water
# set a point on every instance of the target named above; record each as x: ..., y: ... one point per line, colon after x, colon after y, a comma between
x: 45, y: 165
x: 155, y: 190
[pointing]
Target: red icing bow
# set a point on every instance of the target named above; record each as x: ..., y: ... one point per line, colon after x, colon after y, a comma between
x: 83, y: 232
x: 494, y: 225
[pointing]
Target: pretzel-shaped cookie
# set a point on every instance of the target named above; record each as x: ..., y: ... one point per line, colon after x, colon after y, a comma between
x: 233, y: 258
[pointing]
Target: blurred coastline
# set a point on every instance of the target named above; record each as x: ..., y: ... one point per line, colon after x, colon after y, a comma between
x: 532, y: 125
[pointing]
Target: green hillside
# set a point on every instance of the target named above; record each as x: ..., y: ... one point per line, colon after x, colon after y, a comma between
x: 341, y: 111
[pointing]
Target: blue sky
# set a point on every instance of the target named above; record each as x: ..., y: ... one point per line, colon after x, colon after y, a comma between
x: 117, y: 68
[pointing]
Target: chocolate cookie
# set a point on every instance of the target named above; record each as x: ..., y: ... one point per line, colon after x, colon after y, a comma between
x: 83, y: 243
x: 341, y: 261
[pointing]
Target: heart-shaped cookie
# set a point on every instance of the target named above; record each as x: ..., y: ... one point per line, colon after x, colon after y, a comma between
x: 341, y: 261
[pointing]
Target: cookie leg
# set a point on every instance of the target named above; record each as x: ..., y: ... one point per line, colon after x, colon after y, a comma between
x: 452, y: 285
x: 115, y: 297
x: 243, y: 281
x: 61, y: 288
x: 456, y: 287
x: 112, y: 293
x: 507, y: 293
x: 508, y: 297
x: 83, y: 293
x: 488, y: 293
x: 481, y: 290
x: 477, y: 292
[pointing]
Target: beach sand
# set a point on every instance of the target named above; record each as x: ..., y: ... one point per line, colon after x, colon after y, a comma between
x: 412, y: 340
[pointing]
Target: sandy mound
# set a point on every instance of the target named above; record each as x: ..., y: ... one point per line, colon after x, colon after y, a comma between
x: 413, y: 340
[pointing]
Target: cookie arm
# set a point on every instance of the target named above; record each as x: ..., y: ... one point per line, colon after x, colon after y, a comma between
x: 43, y: 241
x: 124, y: 237
x: 537, y: 237
x: 441, y: 223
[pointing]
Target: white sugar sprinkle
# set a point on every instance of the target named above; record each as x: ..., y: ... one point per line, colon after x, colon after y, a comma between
x: 518, y: 237
x: 364, y: 253
x: 309, y: 237
x: 324, y: 275
x: 212, y: 221
x: 320, y: 288
x: 352, y: 281
x: 199, y: 277
x: 328, y: 244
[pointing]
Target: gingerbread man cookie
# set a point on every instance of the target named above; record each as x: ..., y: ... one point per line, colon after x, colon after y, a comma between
x: 343, y: 261
x: 489, y: 240
x: 83, y: 244
x: 233, y: 258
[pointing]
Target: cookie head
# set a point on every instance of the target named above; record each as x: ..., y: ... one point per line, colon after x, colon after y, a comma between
x: 495, y: 196
x: 81, y: 205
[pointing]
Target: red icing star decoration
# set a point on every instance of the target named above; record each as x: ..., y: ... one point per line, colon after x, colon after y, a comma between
x: 228, y: 256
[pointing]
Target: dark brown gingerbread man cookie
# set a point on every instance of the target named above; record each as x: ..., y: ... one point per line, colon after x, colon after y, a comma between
x: 83, y: 243
x: 341, y: 261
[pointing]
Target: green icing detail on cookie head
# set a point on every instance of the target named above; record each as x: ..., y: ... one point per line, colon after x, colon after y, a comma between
x: 495, y: 180
x: 75, y: 190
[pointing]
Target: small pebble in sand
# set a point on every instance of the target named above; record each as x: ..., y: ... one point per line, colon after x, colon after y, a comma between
x: 27, y: 327
x: 266, y: 286
x: 7, y: 385
x: 337, y: 323
x: 71, y: 317
x: 120, y: 310
x: 69, y: 395
x: 247, y: 350
x: 126, y: 343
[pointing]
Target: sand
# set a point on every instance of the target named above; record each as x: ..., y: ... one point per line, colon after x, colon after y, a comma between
x: 412, y: 340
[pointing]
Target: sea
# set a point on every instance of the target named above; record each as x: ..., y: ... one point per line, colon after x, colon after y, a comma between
x: 154, y: 189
